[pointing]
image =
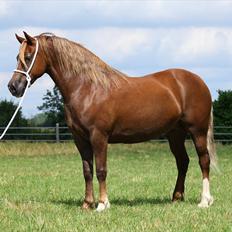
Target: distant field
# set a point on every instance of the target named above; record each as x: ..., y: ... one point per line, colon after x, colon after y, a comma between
x: 41, y: 189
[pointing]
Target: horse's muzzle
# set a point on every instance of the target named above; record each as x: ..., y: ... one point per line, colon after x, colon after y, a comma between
x: 16, y: 88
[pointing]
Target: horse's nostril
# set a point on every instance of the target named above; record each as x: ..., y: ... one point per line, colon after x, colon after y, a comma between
x: 12, y: 88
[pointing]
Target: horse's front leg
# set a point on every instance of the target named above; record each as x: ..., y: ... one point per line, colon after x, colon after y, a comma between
x: 86, y: 152
x: 99, y: 143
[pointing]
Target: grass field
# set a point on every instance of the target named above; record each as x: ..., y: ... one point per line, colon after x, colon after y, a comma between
x: 41, y: 189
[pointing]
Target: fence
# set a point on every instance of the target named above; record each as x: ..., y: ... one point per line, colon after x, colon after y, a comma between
x: 60, y: 134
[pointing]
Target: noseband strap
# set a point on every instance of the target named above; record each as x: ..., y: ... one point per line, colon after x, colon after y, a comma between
x: 28, y: 78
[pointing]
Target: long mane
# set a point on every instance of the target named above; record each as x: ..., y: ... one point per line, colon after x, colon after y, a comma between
x: 75, y: 59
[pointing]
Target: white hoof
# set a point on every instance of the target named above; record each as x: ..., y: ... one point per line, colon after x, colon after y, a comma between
x: 206, y: 201
x: 103, y: 206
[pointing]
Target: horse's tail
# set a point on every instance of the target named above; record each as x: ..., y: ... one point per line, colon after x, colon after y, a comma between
x: 210, y: 143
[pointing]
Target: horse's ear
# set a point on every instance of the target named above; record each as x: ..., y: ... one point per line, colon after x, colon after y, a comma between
x: 29, y: 38
x: 19, y: 38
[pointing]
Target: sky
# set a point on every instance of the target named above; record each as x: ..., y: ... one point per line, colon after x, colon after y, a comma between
x: 135, y: 37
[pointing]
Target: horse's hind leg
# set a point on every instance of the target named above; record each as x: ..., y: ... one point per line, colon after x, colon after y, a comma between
x: 200, y: 141
x: 176, y: 140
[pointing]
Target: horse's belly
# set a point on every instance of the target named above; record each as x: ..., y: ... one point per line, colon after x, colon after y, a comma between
x: 147, y: 122
x: 135, y: 138
x: 140, y: 134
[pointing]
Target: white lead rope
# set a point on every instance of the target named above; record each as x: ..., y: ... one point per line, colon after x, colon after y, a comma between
x: 28, y: 78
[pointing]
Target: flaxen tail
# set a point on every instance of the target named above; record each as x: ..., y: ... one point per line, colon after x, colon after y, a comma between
x: 211, y: 145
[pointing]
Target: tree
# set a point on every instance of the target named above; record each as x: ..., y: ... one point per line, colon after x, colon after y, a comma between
x: 53, y: 107
x: 7, y: 109
x: 37, y: 120
x: 223, y: 108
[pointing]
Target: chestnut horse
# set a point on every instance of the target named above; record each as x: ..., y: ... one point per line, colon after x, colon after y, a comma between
x: 103, y: 105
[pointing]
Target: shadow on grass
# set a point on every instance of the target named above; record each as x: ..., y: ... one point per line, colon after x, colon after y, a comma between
x: 141, y: 201
x: 68, y: 202
x: 153, y: 201
x: 120, y: 201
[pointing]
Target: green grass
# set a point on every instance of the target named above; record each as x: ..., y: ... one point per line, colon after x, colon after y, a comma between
x: 41, y: 189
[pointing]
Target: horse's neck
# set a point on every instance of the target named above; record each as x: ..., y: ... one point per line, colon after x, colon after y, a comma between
x: 66, y: 82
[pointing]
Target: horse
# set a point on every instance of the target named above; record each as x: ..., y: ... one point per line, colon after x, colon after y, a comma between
x: 103, y: 105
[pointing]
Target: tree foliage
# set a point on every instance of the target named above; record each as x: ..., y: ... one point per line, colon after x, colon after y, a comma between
x: 7, y: 109
x: 37, y: 120
x: 223, y: 108
x: 53, y: 107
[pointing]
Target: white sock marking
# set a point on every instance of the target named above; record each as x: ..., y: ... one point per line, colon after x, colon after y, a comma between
x: 103, y: 206
x: 206, y: 198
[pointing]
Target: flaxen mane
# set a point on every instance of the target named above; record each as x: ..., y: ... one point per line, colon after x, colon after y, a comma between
x: 22, y: 53
x: 75, y: 59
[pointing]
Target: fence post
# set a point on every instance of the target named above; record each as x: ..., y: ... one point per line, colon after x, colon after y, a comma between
x: 57, y: 133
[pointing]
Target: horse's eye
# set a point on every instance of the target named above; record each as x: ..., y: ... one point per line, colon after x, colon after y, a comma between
x: 28, y: 57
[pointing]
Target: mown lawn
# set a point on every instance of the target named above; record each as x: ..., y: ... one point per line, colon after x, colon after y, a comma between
x: 41, y: 189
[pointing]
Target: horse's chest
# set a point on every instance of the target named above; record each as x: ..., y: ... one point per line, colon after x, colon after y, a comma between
x: 74, y: 122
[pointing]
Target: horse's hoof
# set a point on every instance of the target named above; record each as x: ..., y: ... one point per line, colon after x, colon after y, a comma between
x: 178, y: 196
x: 206, y: 201
x: 88, y: 205
x: 103, y: 206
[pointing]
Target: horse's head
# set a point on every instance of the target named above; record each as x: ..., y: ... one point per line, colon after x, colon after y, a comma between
x: 27, y: 53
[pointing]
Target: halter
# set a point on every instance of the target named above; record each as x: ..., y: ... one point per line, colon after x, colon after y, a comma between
x: 28, y: 78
